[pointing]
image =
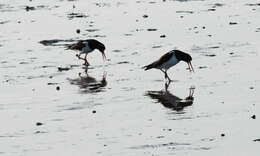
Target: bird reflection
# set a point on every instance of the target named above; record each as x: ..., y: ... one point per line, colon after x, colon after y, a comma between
x: 89, y: 84
x: 171, y: 101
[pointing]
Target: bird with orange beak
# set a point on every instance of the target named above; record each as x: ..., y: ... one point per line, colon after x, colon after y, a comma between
x: 86, y: 47
x: 170, y: 59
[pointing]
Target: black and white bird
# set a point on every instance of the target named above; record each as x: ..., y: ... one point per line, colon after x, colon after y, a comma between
x: 170, y: 59
x: 86, y: 47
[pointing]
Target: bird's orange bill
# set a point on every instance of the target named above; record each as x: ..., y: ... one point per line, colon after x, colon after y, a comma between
x: 103, y: 55
x: 190, y: 66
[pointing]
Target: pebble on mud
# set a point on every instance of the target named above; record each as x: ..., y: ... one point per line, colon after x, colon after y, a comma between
x: 162, y: 36
x: 28, y: 8
x: 253, y: 116
x: 39, y: 123
x: 78, y: 31
x: 63, y: 69
x: 232, y: 23
x: 94, y: 111
x: 201, y: 67
x: 222, y: 134
x: 151, y: 29
x: 211, y: 55
x: 145, y: 16
x: 57, y: 88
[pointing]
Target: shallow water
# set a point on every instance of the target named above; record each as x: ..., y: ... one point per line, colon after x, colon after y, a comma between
x: 117, y: 108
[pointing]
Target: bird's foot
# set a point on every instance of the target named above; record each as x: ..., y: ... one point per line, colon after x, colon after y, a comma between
x: 170, y: 80
x: 78, y: 56
x: 86, y: 63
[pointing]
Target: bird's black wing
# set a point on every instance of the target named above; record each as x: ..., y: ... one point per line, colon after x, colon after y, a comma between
x: 77, y: 46
x: 164, y: 58
x: 160, y: 61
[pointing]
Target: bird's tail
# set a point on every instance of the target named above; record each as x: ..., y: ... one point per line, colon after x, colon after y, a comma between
x: 150, y: 66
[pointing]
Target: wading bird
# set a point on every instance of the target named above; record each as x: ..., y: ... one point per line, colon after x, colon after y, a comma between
x: 170, y: 59
x: 86, y: 47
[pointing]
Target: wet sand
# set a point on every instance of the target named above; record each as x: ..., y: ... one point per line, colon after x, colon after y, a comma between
x: 50, y: 106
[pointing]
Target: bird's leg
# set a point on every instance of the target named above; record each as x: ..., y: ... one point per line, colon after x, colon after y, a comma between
x: 167, y: 86
x: 166, y: 76
x: 85, y: 59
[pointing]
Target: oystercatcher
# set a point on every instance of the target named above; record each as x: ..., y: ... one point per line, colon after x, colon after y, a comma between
x: 170, y: 59
x: 86, y: 47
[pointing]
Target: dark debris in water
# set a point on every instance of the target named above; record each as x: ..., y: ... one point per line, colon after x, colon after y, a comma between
x: 76, y: 15
x: 39, y: 132
x: 63, y: 69
x: 3, y: 22
x: 214, y: 47
x: 151, y: 29
x: 145, y: 16
x: 39, y: 123
x: 116, y: 51
x: 217, y: 5
x: 58, y: 88
x: 162, y: 36
x: 51, y: 83
x: 123, y: 62
x: 202, y: 67
x: 160, y: 145
x: 257, y: 140
x: 210, y: 55
x: 253, y: 116
x: 232, y: 23
x: 253, y: 4
x: 29, y: 8
x: 92, y: 30
x: 159, y: 46
x: 187, y: 12
x: 211, y: 9
x: 98, y: 36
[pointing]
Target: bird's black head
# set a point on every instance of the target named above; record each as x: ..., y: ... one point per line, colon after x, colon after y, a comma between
x: 94, y: 44
x: 182, y: 56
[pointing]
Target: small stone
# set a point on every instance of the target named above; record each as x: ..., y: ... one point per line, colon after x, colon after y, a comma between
x: 222, y: 134
x: 203, y: 27
x: 57, y: 88
x: 39, y: 123
x: 169, y: 129
x: 232, y: 23
x: 162, y: 36
x: 94, y: 111
x: 63, y: 69
x: 78, y: 31
x: 145, y: 16
x: 251, y: 87
x: 253, y: 116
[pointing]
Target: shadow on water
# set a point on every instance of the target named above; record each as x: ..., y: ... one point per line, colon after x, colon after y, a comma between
x: 88, y: 84
x: 171, y: 101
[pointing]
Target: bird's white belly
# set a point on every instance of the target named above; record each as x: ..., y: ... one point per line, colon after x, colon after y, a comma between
x: 171, y: 62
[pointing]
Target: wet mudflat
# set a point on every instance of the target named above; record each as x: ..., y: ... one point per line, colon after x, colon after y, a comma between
x: 49, y: 105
